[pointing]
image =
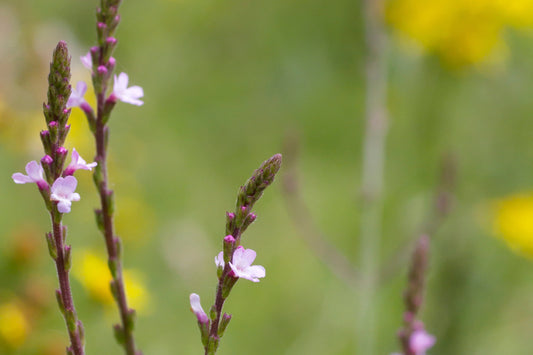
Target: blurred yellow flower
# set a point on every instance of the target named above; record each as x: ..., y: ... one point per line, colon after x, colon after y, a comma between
x: 460, y: 32
x: 134, y: 220
x: 94, y: 275
x: 513, y: 221
x: 14, y: 327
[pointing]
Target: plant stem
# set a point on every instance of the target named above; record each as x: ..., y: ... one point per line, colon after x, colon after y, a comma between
x: 112, y: 241
x: 372, y: 171
x: 74, y: 326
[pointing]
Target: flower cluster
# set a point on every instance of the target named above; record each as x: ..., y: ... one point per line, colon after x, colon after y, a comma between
x: 241, y: 264
x: 241, y: 267
x: 63, y: 188
x: 121, y: 91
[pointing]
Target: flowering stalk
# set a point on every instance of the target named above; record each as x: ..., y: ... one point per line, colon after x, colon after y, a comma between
x: 372, y: 170
x: 102, y: 64
x: 234, y: 261
x: 413, y: 337
x: 58, y: 198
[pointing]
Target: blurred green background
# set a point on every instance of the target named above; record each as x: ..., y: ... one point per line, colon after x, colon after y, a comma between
x: 230, y: 83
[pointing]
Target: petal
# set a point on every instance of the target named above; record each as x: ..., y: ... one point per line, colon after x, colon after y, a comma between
x: 34, y: 171
x: 74, y: 197
x: 121, y: 82
x: 248, y: 256
x: 20, y: 178
x: 64, y: 206
x: 87, y: 60
x: 131, y: 101
x: 70, y: 184
x: 219, y: 259
x: 196, y: 307
x: 64, y: 186
x: 135, y: 92
x: 75, y: 158
x: 420, y: 341
x: 256, y: 271
x: 76, y: 97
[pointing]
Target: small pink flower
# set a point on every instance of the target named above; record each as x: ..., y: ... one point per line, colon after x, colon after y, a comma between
x: 35, y: 174
x: 76, y: 97
x: 420, y: 341
x: 87, y: 61
x: 122, y: 92
x: 219, y: 259
x: 197, y: 309
x: 242, y: 267
x: 77, y: 163
x: 63, y: 192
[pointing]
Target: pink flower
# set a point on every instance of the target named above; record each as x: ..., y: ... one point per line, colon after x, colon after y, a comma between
x: 63, y: 192
x: 77, y: 163
x: 76, y: 97
x: 87, y: 61
x: 35, y: 174
x: 122, y: 92
x: 420, y: 341
x: 242, y: 267
x: 219, y: 259
x: 197, y: 309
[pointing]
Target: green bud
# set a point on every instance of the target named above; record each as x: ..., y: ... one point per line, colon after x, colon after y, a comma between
x: 113, y: 265
x: 52, y: 249
x: 99, y: 220
x: 81, y: 331
x: 59, y: 299
x: 68, y: 258
x: 110, y: 200
x: 213, y: 313
x: 119, y: 334
x: 223, y: 324
x: 258, y: 182
x: 130, y: 319
x: 70, y: 317
x: 114, y: 289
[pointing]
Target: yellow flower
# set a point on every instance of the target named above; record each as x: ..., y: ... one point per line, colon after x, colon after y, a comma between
x: 460, y: 32
x: 513, y: 221
x: 14, y: 327
x: 93, y: 273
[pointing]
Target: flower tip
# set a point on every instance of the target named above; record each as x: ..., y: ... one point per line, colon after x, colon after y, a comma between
x: 196, y: 308
x: 420, y: 341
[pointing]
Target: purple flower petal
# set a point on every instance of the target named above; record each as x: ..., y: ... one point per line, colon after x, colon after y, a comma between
x: 76, y: 97
x: 123, y: 93
x: 63, y: 191
x: 197, y: 309
x: 87, y: 60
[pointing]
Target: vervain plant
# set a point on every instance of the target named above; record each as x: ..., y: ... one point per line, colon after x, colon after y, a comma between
x: 57, y: 186
x: 234, y: 261
x: 102, y: 64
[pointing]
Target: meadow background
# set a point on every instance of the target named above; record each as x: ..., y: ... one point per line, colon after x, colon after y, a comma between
x: 230, y: 83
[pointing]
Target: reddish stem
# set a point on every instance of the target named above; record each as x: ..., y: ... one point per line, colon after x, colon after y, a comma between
x: 64, y: 286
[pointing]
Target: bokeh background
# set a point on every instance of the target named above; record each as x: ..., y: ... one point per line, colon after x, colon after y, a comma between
x: 228, y: 84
